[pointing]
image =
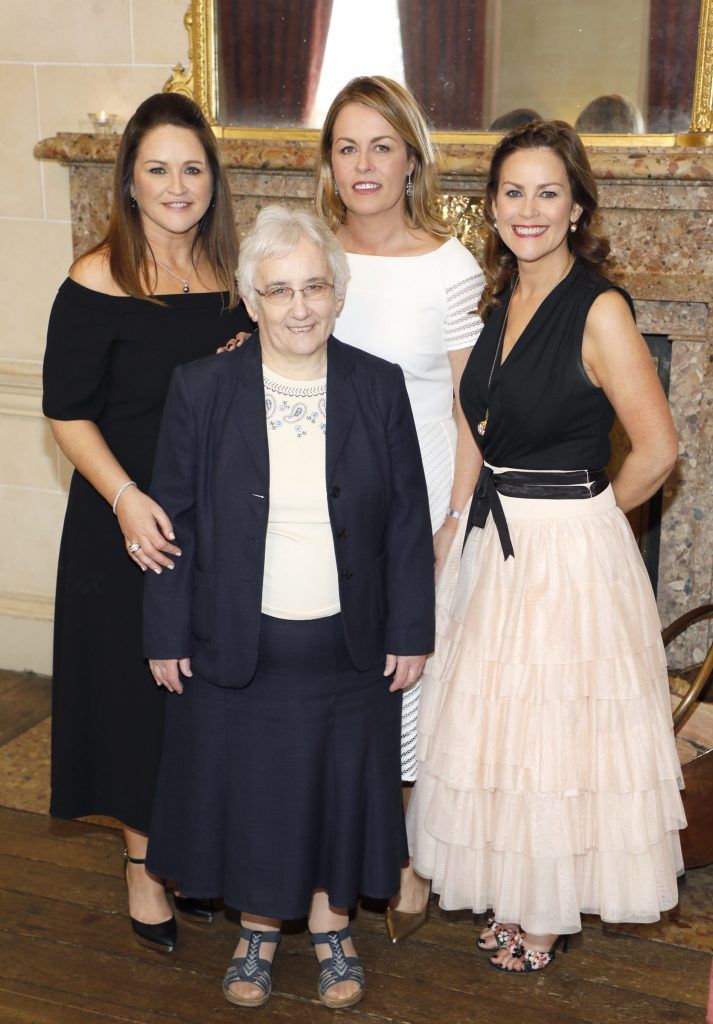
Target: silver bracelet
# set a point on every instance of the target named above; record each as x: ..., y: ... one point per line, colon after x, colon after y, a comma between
x: 129, y: 483
x: 453, y: 514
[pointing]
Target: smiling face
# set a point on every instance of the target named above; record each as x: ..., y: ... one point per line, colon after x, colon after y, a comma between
x: 370, y: 162
x: 294, y: 336
x: 533, y: 205
x: 172, y: 180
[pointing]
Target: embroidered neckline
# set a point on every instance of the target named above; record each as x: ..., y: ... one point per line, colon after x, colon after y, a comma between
x: 295, y: 404
x: 310, y: 389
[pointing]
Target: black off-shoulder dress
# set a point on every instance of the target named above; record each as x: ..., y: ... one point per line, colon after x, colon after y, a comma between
x: 109, y: 360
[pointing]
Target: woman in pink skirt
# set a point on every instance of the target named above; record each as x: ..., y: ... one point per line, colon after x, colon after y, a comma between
x: 548, y: 777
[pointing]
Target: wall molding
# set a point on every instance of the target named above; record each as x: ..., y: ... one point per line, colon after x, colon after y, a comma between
x: 20, y: 388
x: 39, y: 607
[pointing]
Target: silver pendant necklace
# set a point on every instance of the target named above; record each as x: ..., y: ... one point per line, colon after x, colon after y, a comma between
x: 184, y: 280
x: 498, y: 349
x: 484, y: 422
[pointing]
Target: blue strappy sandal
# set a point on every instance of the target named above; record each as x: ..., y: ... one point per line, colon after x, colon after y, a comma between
x: 251, y: 968
x: 337, y: 968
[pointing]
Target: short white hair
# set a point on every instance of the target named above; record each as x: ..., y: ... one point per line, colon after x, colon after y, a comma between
x: 277, y: 231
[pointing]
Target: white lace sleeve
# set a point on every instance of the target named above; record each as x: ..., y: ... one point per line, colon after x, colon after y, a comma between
x: 463, y: 325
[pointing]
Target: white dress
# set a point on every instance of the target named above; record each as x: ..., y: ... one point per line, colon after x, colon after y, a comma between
x: 414, y: 310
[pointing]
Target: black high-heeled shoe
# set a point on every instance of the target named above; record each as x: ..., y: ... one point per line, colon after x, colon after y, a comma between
x: 160, y: 937
x: 198, y: 910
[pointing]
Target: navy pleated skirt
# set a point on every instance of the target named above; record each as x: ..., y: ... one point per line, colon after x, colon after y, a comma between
x: 286, y: 786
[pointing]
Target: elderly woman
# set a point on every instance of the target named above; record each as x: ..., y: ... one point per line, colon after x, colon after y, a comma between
x: 301, y: 607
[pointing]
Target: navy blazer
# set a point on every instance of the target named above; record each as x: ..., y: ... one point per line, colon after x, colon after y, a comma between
x: 212, y: 477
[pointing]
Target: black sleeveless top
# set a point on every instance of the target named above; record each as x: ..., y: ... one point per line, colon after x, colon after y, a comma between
x: 543, y: 410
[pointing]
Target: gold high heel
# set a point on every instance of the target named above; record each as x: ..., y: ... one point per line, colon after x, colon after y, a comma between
x: 401, y: 923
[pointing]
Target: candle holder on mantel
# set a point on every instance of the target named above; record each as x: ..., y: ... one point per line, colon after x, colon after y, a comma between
x: 102, y: 123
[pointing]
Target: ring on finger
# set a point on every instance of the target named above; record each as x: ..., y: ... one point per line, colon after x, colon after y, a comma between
x: 133, y: 548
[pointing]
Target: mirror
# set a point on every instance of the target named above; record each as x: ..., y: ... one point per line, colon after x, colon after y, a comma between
x: 607, y: 67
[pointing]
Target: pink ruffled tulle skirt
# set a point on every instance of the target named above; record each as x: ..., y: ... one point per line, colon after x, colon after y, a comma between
x: 548, y: 780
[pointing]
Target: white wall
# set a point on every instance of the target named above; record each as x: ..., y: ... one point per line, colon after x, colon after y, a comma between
x: 59, y: 59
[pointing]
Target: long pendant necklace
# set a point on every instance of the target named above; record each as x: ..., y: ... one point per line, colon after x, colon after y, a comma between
x: 184, y: 280
x: 498, y: 349
x: 484, y: 422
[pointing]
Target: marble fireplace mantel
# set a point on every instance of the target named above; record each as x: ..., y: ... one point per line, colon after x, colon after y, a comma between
x: 657, y: 208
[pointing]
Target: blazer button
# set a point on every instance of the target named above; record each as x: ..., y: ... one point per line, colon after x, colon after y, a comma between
x: 335, y: 492
x: 347, y: 574
x: 341, y: 534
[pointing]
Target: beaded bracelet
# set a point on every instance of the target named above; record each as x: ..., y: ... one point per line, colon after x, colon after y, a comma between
x: 129, y: 483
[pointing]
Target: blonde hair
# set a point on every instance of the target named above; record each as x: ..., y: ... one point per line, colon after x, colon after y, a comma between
x: 402, y: 111
x: 277, y: 232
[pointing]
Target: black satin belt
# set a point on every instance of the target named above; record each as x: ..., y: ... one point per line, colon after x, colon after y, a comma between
x: 521, y: 483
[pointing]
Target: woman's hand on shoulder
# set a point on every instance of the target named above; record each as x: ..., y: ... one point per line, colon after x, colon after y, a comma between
x: 235, y: 342
x: 93, y: 271
x: 144, y: 522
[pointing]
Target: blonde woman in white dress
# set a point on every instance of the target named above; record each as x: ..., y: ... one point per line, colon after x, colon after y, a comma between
x: 412, y: 295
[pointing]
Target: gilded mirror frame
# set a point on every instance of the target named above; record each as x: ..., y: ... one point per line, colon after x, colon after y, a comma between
x: 200, y: 81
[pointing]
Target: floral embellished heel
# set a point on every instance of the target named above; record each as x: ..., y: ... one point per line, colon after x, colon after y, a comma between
x: 531, y: 959
x: 503, y: 934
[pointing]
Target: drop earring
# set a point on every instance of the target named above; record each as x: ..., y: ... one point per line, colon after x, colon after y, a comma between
x: 133, y: 197
x: 573, y: 226
x: 336, y: 187
x: 409, y: 185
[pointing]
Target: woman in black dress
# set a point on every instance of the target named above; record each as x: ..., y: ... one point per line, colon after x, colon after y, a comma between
x: 159, y: 290
x: 549, y: 781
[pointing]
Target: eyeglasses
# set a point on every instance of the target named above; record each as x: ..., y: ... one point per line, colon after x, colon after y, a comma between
x: 281, y: 295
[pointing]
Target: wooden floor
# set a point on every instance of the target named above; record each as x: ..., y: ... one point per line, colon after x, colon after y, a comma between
x: 67, y: 955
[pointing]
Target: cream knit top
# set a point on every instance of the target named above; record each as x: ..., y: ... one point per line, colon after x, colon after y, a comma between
x: 300, y: 580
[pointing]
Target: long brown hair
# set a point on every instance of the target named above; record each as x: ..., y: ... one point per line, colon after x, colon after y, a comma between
x: 588, y: 243
x: 402, y: 111
x: 130, y: 259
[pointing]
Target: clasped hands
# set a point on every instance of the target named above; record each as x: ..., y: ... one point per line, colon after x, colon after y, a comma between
x: 405, y: 668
